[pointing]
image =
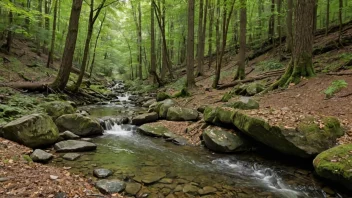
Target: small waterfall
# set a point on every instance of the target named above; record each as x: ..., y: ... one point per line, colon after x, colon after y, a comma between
x: 115, y: 126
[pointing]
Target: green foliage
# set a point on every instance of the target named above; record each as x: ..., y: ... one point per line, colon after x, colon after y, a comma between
x: 227, y: 96
x: 269, y: 65
x: 334, y: 88
x: 27, y: 158
x: 346, y: 56
x: 182, y: 93
x: 139, y: 86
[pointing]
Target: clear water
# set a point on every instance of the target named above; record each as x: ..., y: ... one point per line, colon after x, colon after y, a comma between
x: 131, y: 155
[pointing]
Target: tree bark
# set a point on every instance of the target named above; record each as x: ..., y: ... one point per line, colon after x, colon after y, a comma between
x: 8, y: 45
x: 40, y: 25
x: 301, y: 64
x: 340, y: 18
x: 240, y: 75
x: 140, y: 71
x: 279, y: 21
x: 152, y: 45
x: 47, y: 5
x: 200, y: 71
x: 53, y: 36
x: 289, y: 20
x: 70, y: 45
x: 210, y: 39
x: 327, y: 17
x: 315, y: 18
x: 272, y: 22
x: 190, y: 45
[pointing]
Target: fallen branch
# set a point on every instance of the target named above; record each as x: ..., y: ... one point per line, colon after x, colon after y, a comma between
x: 260, y: 77
x: 339, y: 73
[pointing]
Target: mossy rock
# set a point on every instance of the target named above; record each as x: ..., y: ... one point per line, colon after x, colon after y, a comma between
x: 79, y: 125
x: 244, y: 104
x: 162, y: 96
x: 225, y: 141
x: 153, y: 130
x: 254, y: 88
x: 56, y: 109
x: 219, y: 116
x: 36, y: 130
x: 182, y: 94
x: 181, y: 114
x: 226, y: 97
x: 335, y: 164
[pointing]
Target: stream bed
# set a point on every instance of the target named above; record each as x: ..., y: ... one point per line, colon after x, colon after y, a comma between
x: 169, y: 170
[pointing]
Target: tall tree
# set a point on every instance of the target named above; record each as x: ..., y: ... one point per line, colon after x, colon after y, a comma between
x: 289, y: 20
x: 70, y: 45
x: 210, y: 31
x: 190, y: 45
x: 152, y: 45
x: 47, y: 5
x: 340, y: 18
x: 96, y: 44
x: 200, y: 71
x: 40, y: 25
x: 315, y: 19
x: 243, y: 31
x: 301, y: 64
x: 327, y: 17
x: 53, y: 36
x: 7, y: 46
x: 272, y: 22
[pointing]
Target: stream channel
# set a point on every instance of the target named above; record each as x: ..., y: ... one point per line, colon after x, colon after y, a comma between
x: 136, y: 158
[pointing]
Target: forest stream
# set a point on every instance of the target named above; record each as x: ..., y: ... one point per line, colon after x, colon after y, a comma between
x: 165, y: 167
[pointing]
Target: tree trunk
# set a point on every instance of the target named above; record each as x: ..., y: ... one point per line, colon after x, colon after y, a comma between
x: 210, y: 39
x: 315, y: 18
x: 140, y: 71
x: 301, y: 64
x: 26, y: 20
x: 92, y: 18
x: 47, y: 5
x: 200, y: 71
x: 240, y: 75
x: 289, y: 20
x: 8, y: 45
x: 152, y: 45
x: 327, y: 17
x: 95, y: 46
x: 67, y: 57
x: 190, y: 45
x: 279, y: 21
x: 340, y: 18
x: 272, y: 22
x: 40, y: 25
x: 53, y: 36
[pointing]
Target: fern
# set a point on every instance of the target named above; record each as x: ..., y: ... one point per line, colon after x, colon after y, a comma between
x: 334, y: 88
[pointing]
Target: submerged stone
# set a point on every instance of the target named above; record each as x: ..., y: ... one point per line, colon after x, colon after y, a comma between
x: 74, y: 146
x: 71, y: 156
x: 110, y: 186
x: 133, y: 188
x: 102, y: 173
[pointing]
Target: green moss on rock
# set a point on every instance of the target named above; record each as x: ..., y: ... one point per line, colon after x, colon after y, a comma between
x: 182, y: 93
x: 79, y: 125
x: 162, y: 96
x: 336, y: 165
x: 56, y: 109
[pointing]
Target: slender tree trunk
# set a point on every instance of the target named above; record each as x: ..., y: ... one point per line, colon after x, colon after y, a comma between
x: 53, y: 36
x: 200, y: 71
x: 152, y: 45
x: 95, y: 45
x: 279, y: 21
x: 67, y: 57
x: 47, y: 5
x: 327, y: 17
x: 140, y: 71
x: 260, y: 20
x: 315, y: 16
x: 340, y: 18
x: 210, y: 39
x: 40, y: 25
x: 225, y: 25
x: 27, y: 21
x: 272, y: 22
x: 190, y: 45
x: 9, y: 38
x: 289, y: 20
x: 240, y: 75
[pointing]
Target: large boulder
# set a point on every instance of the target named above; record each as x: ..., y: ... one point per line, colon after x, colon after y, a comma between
x: 41, y: 156
x: 74, y: 146
x: 162, y: 96
x: 36, y: 130
x: 153, y: 130
x: 145, y: 118
x: 148, y: 103
x: 305, y: 138
x: 79, y: 125
x: 162, y: 107
x: 335, y: 165
x: 225, y: 141
x: 181, y: 114
x: 56, y: 109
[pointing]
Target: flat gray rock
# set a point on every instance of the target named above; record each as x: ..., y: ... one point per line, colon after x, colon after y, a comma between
x: 102, y: 173
x: 74, y: 146
x: 71, y: 156
x: 110, y: 186
x: 41, y: 156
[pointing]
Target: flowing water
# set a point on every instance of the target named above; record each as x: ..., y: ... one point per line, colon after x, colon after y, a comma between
x: 134, y: 157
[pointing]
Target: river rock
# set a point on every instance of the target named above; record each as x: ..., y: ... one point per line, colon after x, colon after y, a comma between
x: 74, y: 146
x: 71, y: 156
x: 56, y: 109
x: 254, y: 88
x: 110, y: 186
x: 207, y: 190
x: 41, y: 156
x: 102, y: 173
x: 162, y: 107
x: 335, y: 165
x: 68, y: 135
x: 306, y: 139
x: 133, y: 188
x: 79, y: 125
x: 221, y: 140
x: 149, y: 177
x: 244, y: 103
x: 36, y: 130
x: 153, y: 130
x: 148, y: 103
x: 162, y: 96
x: 191, y: 189
x: 181, y: 114
x: 145, y: 118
